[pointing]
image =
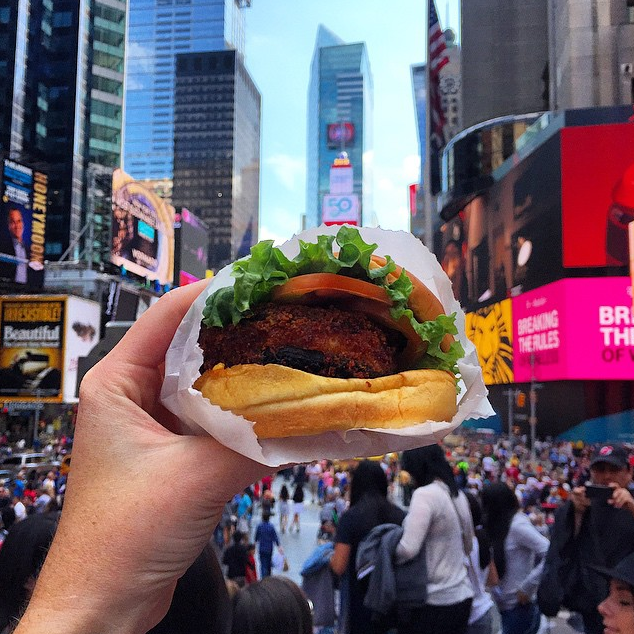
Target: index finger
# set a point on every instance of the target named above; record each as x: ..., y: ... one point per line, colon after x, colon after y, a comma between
x: 146, y: 343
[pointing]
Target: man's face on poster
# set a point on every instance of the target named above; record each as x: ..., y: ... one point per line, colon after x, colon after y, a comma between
x: 16, y: 224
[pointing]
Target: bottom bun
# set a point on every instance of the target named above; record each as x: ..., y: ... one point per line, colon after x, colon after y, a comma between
x: 285, y: 402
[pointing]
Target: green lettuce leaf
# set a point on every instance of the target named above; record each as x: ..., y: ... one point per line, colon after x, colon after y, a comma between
x: 267, y: 267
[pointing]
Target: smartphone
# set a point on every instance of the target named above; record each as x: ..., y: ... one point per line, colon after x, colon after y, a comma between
x: 599, y: 492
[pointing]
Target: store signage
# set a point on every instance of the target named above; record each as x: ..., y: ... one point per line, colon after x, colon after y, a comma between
x: 341, y: 210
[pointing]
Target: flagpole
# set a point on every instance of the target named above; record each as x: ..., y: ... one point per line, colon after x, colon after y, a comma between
x: 428, y: 224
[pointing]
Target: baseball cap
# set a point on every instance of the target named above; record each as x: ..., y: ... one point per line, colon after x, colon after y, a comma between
x: 623, y: 571
x: 615, y: 455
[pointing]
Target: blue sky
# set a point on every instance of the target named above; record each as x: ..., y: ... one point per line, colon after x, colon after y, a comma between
x: 280, y: 38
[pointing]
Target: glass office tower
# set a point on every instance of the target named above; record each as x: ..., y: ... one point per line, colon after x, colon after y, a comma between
x: 158, y: 31
x: 340, y: 96
x: 217, y: 150
x: 62, y: 63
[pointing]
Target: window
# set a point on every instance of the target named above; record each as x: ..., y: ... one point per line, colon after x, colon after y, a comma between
x: 630, y: 11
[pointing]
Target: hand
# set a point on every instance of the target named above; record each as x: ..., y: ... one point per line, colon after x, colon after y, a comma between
x: 142, y: 500
x: 522, y: 598
x: 621, y: 498
x: 580, y: 500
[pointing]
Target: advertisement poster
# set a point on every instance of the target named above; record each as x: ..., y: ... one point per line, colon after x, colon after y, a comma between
x: 597, y: 176
x: 491, y: 331
x: 575, y: 329
x: 142, y: 230
x: 32, y: 348
x: 83, y: 321
x: 191, y: 238
x: 22, y: 224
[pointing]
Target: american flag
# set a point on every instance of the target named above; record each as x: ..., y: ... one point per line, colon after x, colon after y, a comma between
x: 437, y: 59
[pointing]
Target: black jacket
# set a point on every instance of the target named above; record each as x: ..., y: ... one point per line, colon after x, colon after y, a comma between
x: 605, y: 537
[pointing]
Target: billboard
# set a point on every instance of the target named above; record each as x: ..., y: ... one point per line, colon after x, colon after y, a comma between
x: 575, y: 329
x: 508, y: 240
x: 597, y: 176
x: 341, y: 209
x: 491, y: 331
x: 83, y: 322
x: 191, y: 247
x: 32, y: 348
x: 22, y: 224
x: 142, y: 230
x: 340, y: 135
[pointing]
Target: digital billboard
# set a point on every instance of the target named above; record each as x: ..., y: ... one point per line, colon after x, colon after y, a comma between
x: 142, y: 230
x: 597, y: 175
x: 192, y: 244
x: 22, y: 224
x: 507, y: 240
x: 32, y: 348
x: 340, y: 135
x: 575, y: 329
x: 491, y: 331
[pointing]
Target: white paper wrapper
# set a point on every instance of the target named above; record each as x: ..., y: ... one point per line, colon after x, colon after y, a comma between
x: 184, y: 359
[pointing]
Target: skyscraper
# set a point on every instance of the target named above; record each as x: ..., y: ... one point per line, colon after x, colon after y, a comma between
x: 217, y: 150
x: 504, y: 58
x: 63, y: 81
x: 340, y: 115
x: 158, y: 31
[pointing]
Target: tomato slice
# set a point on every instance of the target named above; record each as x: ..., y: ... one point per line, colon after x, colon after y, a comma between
x: 326, y: 286
x: 356, y: 296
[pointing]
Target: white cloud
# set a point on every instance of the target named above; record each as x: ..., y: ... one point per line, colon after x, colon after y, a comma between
x: 288, y: 169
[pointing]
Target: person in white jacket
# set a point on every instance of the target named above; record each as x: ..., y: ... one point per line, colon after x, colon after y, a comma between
x: 439, y: 520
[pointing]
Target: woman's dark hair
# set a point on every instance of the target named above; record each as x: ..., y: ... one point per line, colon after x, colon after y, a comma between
x: 367, y: 479
x: 284, y: 495
x: 201, y: 602
x: 21, y: 559
x: 427, y: 464
x: 500, y: 505
x: 484, y: 543
x: 275, y: 604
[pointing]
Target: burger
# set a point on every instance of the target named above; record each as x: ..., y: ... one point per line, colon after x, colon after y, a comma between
x: 337, y: 338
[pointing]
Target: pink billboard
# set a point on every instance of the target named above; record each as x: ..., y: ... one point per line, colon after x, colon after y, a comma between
x: 575, y: 329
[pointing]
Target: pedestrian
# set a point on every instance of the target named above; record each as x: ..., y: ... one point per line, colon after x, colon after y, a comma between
x: 283, y: 508
x: 518, y: 552
x: 439, y: 520
x: 617, y: 610
x: 252, y: 573
x: 369, y: 507
x: 274, y: 605
x: 236, y: 558
x: 266, y: 538
x: 483, y: 575
x: 594, y: 527
x: 245, y: 506
x: 298, y: 505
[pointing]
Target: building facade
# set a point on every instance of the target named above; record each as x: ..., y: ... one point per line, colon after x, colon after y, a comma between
x: 63, y: 63
x: 504, y: 58
x: 340, y: 115
x: 158, y: 31
x: 592, y: 53
x: 217, y: 150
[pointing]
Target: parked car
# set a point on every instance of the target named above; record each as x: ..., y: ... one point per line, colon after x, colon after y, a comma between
x: 38, y: 461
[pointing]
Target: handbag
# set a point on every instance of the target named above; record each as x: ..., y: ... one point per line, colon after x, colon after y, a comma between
x: 279, y: 562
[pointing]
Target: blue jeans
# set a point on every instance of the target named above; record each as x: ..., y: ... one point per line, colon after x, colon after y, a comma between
x: 522, y: 619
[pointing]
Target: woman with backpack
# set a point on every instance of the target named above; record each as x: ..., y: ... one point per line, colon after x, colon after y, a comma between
x: 369, y: 507
x: 518, y: 552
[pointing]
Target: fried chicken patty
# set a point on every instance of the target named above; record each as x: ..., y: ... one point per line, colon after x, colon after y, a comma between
x: 321, y: 340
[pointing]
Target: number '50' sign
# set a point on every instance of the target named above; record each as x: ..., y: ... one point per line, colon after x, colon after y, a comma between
x: 341, y: 208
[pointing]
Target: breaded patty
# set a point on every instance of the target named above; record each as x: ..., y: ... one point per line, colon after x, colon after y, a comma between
x: 321, y: 340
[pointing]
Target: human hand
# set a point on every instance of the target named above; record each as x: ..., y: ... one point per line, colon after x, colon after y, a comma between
x: 580, y: 500
x: 142, y: 500
x: 621, y: 498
